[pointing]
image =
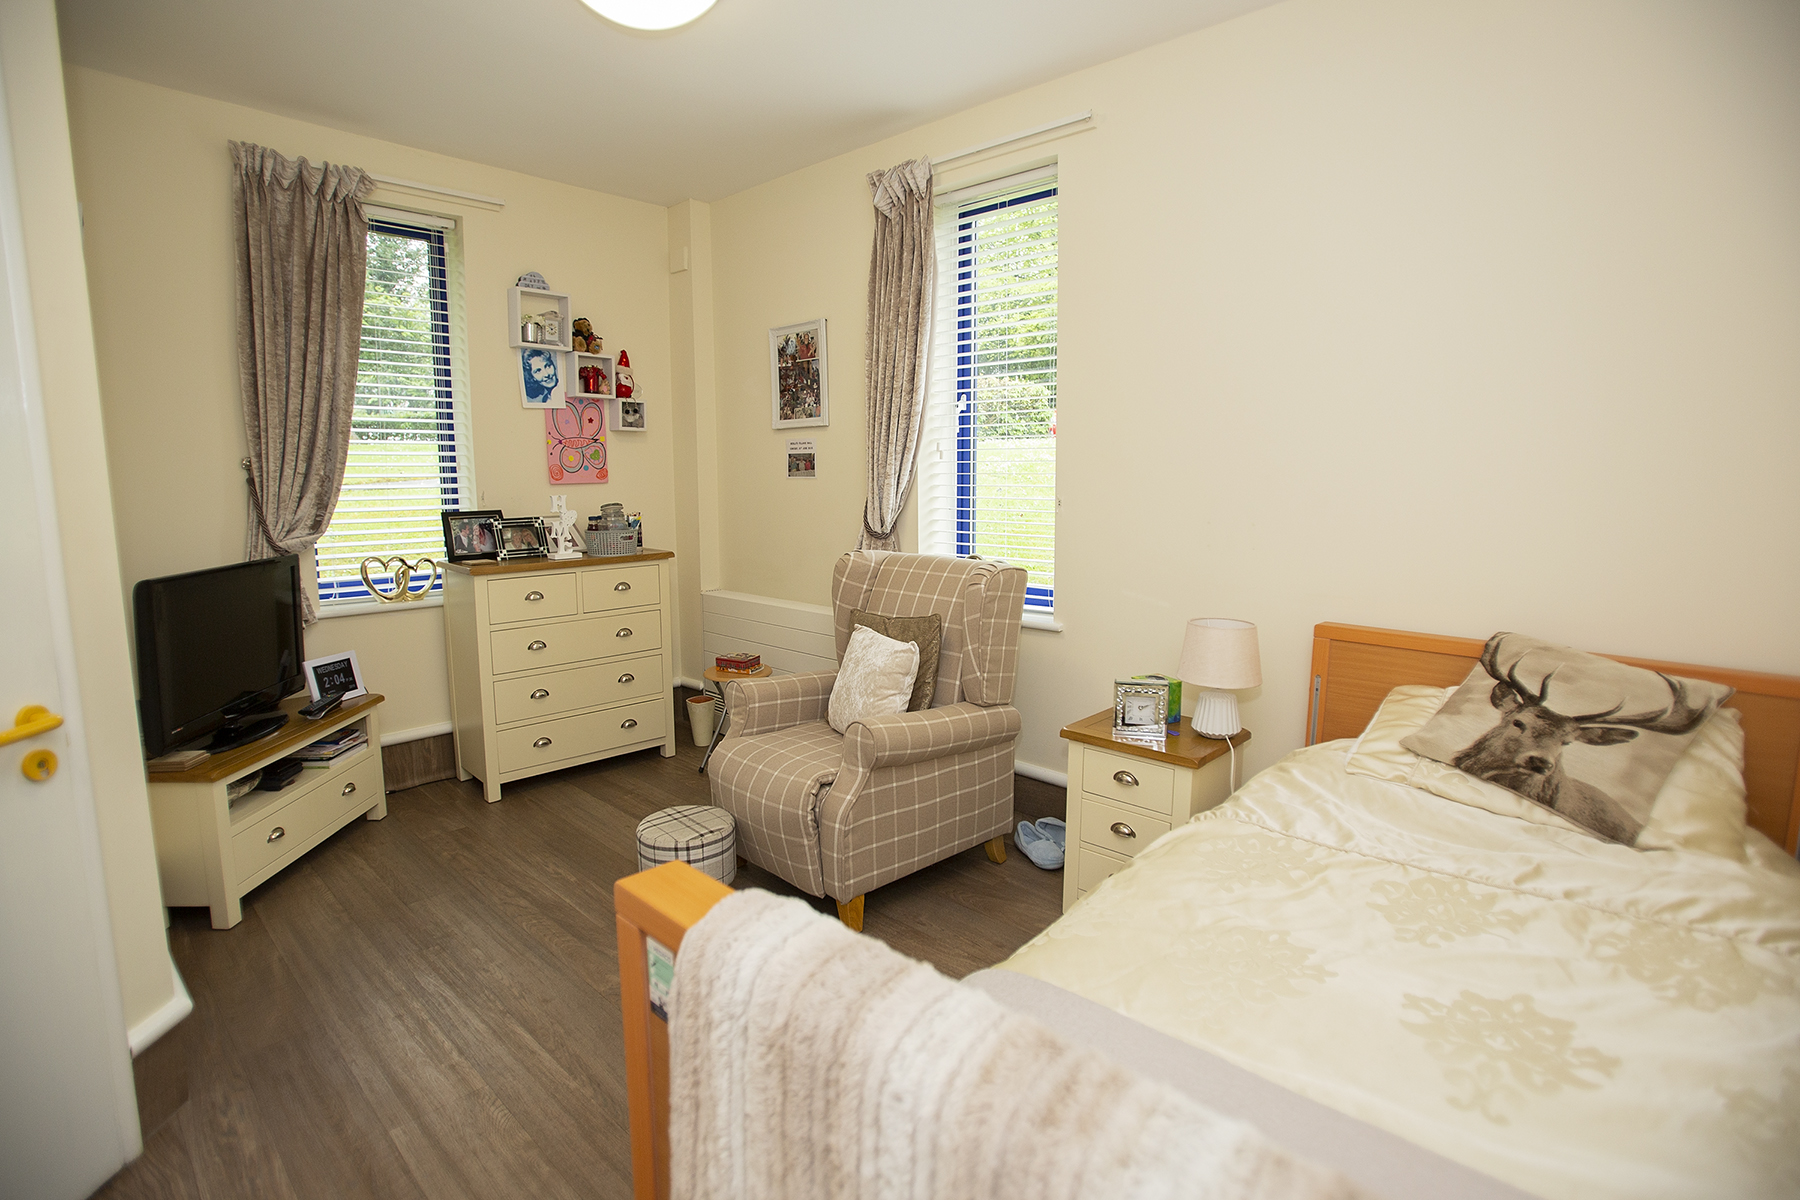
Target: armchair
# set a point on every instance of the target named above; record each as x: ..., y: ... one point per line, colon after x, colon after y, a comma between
x: 839, y: 815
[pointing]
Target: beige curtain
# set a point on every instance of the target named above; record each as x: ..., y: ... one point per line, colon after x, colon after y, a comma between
x: 902, y: 272
x: 302, y: 257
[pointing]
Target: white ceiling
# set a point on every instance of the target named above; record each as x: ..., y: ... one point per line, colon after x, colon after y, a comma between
x: 751, y: 91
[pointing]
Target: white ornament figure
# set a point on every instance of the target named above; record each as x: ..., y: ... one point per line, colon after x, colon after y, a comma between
x: 565, y: 530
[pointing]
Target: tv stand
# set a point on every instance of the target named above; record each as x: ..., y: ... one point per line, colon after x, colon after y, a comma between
x: 211, y: 852
x: 242, y: 733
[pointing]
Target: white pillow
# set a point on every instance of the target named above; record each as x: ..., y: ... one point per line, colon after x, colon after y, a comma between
x: 874, y: 680
x: 1701, y: 806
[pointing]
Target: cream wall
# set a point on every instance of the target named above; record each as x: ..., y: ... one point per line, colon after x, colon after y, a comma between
x: 154, y: 175
x: 1445, y: 317
x: 65, y: 348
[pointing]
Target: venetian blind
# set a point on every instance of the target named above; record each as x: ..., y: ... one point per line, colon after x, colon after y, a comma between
x: 408, y: 441
x: 988, y: 465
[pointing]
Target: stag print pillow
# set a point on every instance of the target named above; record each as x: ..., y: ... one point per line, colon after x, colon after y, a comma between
x: 1589, y: 739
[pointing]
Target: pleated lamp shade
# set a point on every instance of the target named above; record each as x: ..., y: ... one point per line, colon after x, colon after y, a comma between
x: 1220, y: 655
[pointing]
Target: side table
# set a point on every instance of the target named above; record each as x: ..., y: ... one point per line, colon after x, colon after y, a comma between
x: 1123, y: 796
x: 717, y: 676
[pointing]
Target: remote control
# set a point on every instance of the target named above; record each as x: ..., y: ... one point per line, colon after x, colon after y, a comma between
x: 322, y: 705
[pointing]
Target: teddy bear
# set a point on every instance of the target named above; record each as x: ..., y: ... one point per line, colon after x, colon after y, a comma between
x: 584, y: 339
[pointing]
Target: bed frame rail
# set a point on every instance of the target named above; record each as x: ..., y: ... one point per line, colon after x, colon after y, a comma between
x: 655, y: 909
x: 1355, y: 666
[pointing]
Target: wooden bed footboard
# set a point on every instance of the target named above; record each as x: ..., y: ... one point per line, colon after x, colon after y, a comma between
x: 655, y: 909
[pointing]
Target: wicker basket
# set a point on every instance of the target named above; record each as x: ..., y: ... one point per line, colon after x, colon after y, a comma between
x: 608, y: 543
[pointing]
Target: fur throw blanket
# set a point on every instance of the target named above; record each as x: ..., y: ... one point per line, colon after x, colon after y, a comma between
x: 809, y: 1061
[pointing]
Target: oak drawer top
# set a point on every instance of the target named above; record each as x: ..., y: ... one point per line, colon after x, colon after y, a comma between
x: 296, y: 733
x: 1184, y: 749
x: 517, y: 565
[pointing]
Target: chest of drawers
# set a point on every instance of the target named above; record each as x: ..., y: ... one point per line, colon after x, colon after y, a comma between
x: 1123, y: 796
x: 554, y: 663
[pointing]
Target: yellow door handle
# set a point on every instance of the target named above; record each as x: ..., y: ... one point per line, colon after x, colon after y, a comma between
x: 32, y: 720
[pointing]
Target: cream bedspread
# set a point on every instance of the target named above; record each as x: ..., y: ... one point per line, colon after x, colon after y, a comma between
x: 1575, y: 1017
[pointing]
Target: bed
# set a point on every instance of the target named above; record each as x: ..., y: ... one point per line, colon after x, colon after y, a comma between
x: 1565, y: 1015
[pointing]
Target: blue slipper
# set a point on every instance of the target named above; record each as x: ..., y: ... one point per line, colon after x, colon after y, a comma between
x: 1040, y: 847
x: 1054, y: 829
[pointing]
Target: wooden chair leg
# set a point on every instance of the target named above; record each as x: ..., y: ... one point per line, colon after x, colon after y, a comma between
x: 851, y: 913
x: 996, y: 848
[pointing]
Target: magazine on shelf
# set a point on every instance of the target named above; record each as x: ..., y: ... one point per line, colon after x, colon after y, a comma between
x: 330, y: 746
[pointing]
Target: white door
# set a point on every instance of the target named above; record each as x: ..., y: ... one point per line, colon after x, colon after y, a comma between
x: 68, y: 1116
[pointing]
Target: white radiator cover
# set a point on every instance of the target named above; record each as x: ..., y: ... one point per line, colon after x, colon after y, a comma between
x: 791, y: 637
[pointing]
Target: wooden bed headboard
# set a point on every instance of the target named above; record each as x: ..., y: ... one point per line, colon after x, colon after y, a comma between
x: 1355, y: 666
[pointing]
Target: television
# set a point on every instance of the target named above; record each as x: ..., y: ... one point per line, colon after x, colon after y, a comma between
x: 216, y: 650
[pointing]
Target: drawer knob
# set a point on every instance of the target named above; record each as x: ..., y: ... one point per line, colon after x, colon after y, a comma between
x: 541, y: 694
x: 627, y: 677
x: 537, y: 645
x: 277, y: 833
x: 540, y: 743
x: 628, y: 723
x: 1123, y: 830
x: 623, y: 633
x: 349, y: 788
x: 621, y: 587
x: 533, y: 595
x: 1126, y: 778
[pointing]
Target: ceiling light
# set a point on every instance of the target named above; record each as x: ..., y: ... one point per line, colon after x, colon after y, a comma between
x: 650, y: 14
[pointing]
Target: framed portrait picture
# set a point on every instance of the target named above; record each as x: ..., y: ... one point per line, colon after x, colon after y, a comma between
x: 334, y: 675
x: 523, y: 537
x: 540, y: 378
x: 1140, y: 708
x: 797, y: 376
x: 470, y: 535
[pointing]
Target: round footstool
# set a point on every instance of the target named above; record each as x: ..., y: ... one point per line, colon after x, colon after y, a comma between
x: 703, y: 837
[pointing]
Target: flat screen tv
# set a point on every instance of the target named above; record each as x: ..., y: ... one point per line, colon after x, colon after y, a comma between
x: 216, y: 650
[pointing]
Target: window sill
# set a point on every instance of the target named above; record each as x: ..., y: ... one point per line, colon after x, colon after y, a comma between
x: 357, y: 608
x: 1041, y: 620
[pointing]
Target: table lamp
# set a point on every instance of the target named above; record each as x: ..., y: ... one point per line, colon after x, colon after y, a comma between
x: 1218, y: 655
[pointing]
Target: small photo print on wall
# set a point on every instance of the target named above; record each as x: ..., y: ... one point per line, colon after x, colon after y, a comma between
x: 540, y: 379
x: 797, y: 375
x: 802, y: 460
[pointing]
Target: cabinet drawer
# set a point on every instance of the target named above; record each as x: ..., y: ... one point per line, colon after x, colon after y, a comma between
x: 1096, y: 866
x: 561, y: 643
x: 532, y: 598
x: 609, y: 588
x: 544, y: 742
x: 555, y: 692
x: 1134, y: 781
x: 1098, y: 822
x: 316, y: 804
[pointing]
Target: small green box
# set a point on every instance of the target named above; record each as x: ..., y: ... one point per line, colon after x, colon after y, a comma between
x: 1174, y: 697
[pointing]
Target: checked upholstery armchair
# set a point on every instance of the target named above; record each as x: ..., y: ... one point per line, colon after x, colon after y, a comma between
x: 839, y: 815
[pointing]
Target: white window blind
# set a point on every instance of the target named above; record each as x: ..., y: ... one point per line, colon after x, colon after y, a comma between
x: 408, y: 457
x: 987, y: 481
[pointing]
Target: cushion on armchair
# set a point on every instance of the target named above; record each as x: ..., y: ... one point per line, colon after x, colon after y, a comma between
x: 874, y: 680
x: 926, y: 632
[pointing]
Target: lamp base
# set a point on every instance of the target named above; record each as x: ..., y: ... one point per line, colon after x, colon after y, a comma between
x: 1216, y: 714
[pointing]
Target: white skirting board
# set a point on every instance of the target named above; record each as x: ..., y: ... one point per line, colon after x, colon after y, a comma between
x: 1042, y: 774
x: 142, y: 1035
x: 400, y: 736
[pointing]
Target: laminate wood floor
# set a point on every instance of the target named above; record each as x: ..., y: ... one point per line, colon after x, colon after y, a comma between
x: 427, y: 1006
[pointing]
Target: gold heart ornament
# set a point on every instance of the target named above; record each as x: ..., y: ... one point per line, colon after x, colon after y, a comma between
x: 403, y: 572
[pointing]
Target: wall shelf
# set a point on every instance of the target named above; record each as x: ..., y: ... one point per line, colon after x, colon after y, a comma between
x: 521, y: 302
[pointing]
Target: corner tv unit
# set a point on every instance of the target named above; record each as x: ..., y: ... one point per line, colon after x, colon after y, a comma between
x: 216, y: 651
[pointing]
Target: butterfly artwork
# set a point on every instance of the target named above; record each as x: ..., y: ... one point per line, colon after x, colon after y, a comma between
x: 575, y: 441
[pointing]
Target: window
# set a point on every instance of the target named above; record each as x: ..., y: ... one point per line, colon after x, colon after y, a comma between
x: 988, y: 485
x: 409, y: 434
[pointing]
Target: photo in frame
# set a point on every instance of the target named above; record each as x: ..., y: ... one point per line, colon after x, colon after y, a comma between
x: 334, y: 675
x: 469, y: 534
x: 523, y: 537
x: 540, y: 378
x: 797, y: 376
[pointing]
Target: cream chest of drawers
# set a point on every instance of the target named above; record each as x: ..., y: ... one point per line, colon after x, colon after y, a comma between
x: 554, y: 663
x: 1124, y: 796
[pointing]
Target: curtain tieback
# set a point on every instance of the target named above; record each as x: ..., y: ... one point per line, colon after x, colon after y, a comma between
x: 256, y: 502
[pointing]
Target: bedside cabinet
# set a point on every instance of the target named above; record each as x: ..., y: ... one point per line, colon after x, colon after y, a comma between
x: 1123, y: 796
